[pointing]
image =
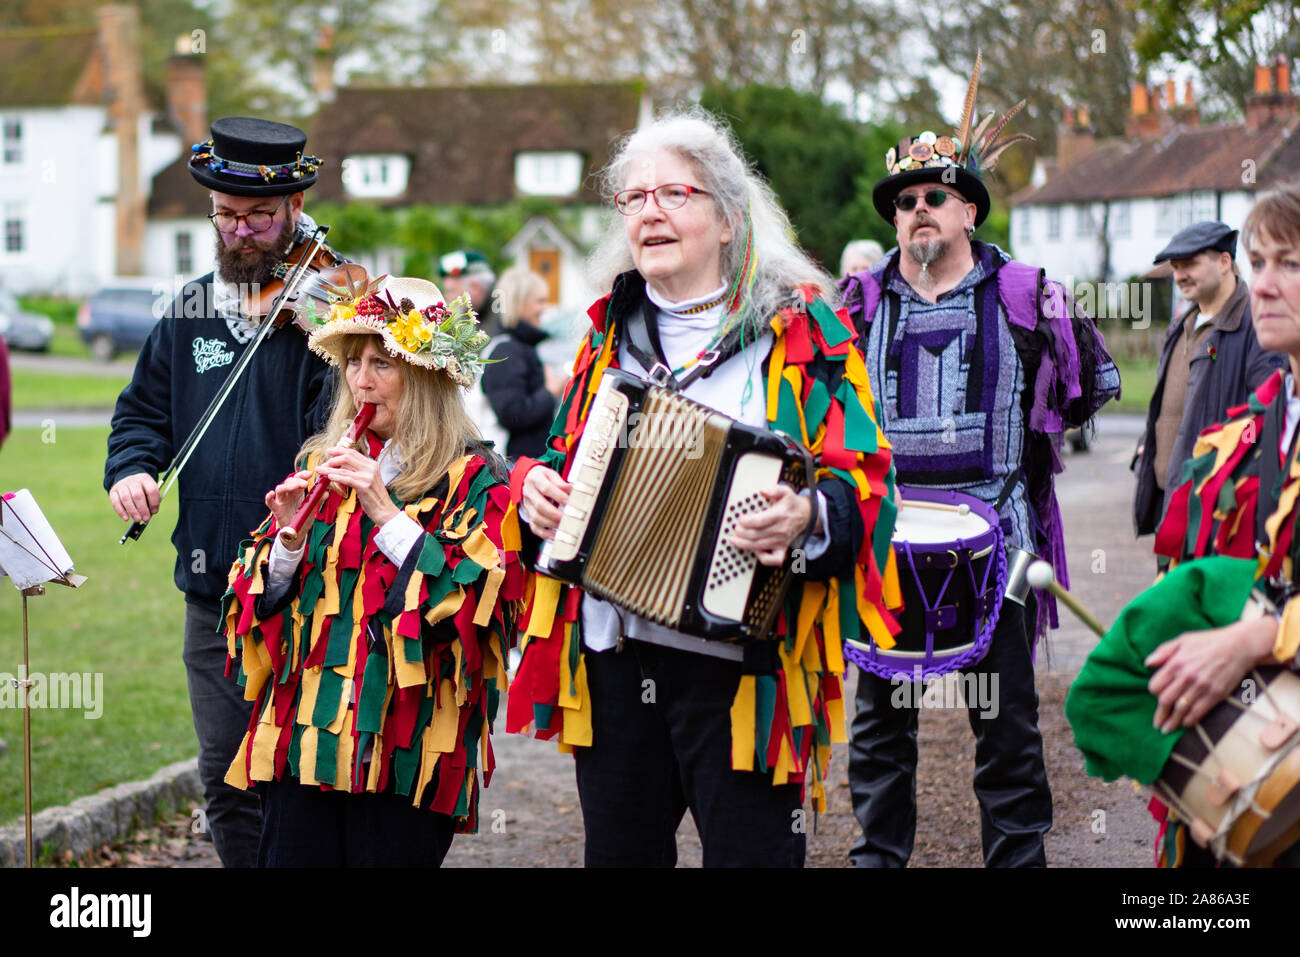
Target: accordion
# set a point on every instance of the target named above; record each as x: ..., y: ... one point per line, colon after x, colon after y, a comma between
x: 659, y: 482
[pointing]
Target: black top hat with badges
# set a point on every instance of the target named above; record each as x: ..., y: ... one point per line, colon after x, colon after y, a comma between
x: 959, y: 160
x: 251, y: 157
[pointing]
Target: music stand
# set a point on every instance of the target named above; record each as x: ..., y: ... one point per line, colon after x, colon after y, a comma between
x: 31, y: 555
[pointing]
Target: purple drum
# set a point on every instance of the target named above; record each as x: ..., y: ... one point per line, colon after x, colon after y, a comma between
x: 952, y: 569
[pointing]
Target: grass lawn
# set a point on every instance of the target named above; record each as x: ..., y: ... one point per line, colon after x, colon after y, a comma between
x: 1138, y: 377
x: 124, y: 623
x: 36, y: 389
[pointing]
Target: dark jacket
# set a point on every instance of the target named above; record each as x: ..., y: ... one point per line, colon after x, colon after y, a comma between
x: 282, y: 398
x: 1225, y: 370
x: 516, y: 389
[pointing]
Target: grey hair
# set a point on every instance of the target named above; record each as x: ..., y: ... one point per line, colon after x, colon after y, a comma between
x: 862, y: 248
x: 710, y: 148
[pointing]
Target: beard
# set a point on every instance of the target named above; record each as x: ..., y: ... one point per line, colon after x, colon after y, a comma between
x: 247, y: 269
x: 926, y: 253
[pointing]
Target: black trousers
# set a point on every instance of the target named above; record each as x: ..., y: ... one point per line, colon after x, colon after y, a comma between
x: 1010, y: 778
x: 221, y: 717
x: 303, y: 826
x: 661, y: 743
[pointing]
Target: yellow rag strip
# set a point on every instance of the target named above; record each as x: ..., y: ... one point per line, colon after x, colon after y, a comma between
x: 236, y: 776
x: 545, y: 597
x: 1288, y: 634
x: 742, y: 725
x: 775, y: 364
x: 488, y: 599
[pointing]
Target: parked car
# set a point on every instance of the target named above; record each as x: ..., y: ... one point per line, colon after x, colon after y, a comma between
x: 119, y: 317
x: 22, y: 329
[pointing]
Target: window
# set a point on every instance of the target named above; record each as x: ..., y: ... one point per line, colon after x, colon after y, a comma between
x: 1204, y: 206
x: 184, y: 253
x: 11, y: 141
x: 1053, y: 222
x: 376, y: 177
x: 1173, y: 213
x: 1121, y: 220
x: 14, y: 238
x: 1082, y: 220
x: 1026, y: 225
x: 548, y: 174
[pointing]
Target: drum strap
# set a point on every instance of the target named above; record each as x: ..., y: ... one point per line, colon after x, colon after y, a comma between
x: 1008, y: 487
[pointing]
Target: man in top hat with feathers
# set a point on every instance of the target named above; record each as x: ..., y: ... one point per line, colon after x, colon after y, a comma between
x: 256, y: 172
x: 980, y: 367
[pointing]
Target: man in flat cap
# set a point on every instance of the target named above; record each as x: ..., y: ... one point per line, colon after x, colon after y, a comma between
x: 256, y: 172
x: 1210, y: 362
x: 467, y: 270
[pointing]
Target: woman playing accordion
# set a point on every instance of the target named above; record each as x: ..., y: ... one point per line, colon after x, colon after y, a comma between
x: 742, y: 322
x: 1238, y: 500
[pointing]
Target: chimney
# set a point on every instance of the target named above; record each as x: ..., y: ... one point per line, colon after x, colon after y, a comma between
x: 323, y: 66
x: 1186, y: 112
x: 1272, y: 99
x: 1076, y: 137
x: 187, y: 94
x: 1145, y: 118
x: 119, y: 41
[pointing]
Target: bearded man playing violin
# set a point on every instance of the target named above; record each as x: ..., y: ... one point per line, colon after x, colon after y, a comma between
x: 256, y: 173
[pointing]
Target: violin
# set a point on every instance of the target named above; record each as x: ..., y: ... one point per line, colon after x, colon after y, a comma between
x: 326, y: 270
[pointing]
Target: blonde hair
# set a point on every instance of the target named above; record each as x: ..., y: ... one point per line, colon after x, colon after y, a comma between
x: 432, y: 431
x: 514, y: 287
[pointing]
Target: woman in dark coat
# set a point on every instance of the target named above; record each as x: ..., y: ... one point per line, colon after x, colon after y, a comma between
x: 521, y: 390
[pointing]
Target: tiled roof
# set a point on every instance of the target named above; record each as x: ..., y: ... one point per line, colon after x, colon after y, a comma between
x: 1197, y: 158
x: 462, y: 141
x: 176, y: 194
x: 50, y: 67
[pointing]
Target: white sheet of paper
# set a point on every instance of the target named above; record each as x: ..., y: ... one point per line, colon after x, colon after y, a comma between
x: 32, y: 555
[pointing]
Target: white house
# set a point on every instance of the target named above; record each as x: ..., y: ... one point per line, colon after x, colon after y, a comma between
x: 483, y: 146
x: 78, y: 152
x: 1103, y: 209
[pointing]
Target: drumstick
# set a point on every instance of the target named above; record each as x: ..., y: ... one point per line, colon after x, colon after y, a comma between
x: 1042, y: 577
x: 962, y: 509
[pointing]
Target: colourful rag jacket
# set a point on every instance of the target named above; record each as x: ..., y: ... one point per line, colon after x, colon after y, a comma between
x: 374, y: 675
x: 786, y: 720
x: 1220, y: 509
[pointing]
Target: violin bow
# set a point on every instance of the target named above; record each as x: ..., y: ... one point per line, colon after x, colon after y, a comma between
x: 268, y: 326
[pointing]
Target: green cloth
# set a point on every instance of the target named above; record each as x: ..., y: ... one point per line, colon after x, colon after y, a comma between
x: 1109, y: 706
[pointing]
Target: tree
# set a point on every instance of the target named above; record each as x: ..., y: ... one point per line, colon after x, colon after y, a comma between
x: 1224, y: 39
x: 1055, y: 53
x: 820, y: 163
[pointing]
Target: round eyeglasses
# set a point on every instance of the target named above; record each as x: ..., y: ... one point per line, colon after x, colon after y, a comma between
x: 258, y: 220
x: 668, y: 196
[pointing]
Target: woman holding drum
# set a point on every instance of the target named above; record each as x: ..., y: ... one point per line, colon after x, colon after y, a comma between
x: 709, y: 293
x: 372, y: 629
x: 1239, y: 502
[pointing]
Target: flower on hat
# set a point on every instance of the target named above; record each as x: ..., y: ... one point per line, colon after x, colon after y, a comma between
x: 438, y: 336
